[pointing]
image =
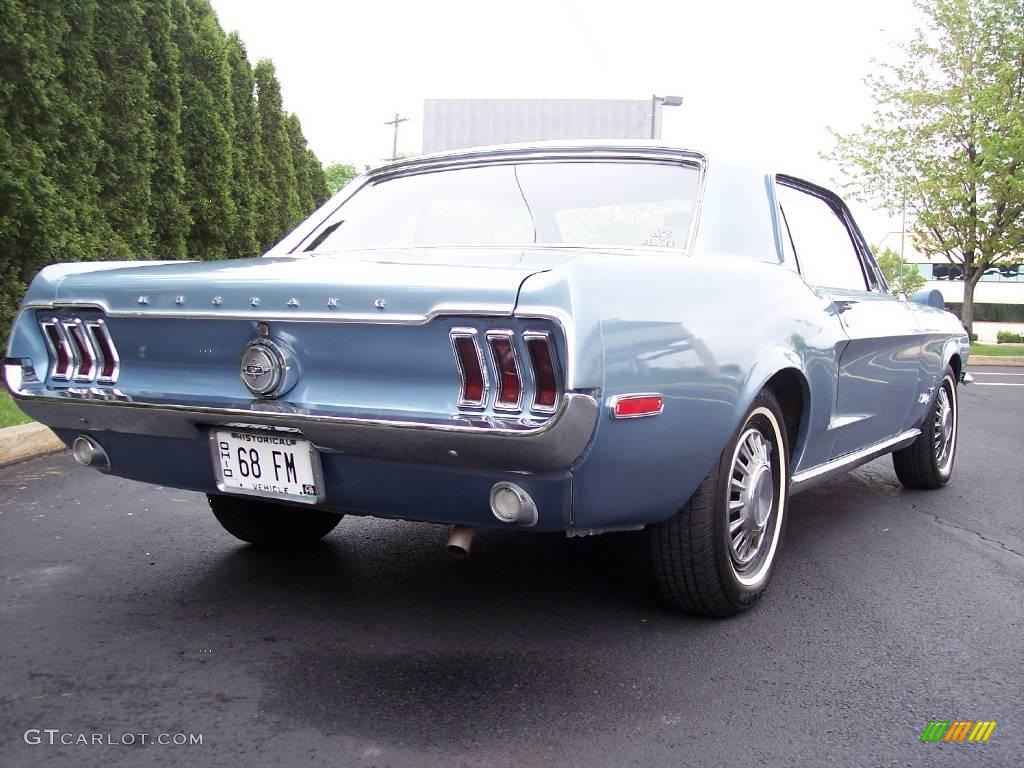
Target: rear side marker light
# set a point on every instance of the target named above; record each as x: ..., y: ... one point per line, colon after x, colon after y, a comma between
x: 542, y: 360
x: 510, y: 382
x: 60, y: 350
x: 467, y: 354
x: 636, y: 406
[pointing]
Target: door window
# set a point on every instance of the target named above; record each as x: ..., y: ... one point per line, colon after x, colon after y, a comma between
x: 824, y: 249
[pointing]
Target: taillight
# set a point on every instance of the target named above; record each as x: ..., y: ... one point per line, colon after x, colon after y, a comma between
x: 61, y: 357
x: 84, y: 351
x: 542, y: 361
x: 80, y: 350
x: 110, y: 363
x: 474, y: 385
x: 510, y: 383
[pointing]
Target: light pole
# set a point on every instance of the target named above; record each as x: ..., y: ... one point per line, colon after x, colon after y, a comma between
x: 667, y: 101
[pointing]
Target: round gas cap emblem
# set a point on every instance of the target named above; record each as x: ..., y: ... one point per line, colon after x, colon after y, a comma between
x: 264, y: 365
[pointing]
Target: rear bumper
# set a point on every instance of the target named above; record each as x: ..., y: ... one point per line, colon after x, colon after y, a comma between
x: 507, y: 446
x: 353, y: 485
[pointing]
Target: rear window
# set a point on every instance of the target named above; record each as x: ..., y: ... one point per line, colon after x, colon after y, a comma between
x: 572, y: 203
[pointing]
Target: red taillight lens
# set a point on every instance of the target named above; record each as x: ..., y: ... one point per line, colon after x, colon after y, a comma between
x: 633, y: 406
x: 543, y: 363
x: 468, y: 356
x: 60, y: 349
x: 510, y: 385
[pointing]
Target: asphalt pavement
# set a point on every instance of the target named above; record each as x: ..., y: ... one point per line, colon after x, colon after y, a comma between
x: 127, y: 611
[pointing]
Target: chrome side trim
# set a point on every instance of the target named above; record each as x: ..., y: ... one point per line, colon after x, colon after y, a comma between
x: 830, y: 469
x: 554, y: 444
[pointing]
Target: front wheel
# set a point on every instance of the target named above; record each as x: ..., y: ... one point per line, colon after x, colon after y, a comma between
x: 716, y: 555
x: 270, y: 525
x: 927, y: 463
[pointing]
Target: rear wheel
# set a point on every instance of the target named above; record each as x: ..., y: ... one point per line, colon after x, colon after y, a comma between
x: 716, y: 555
x: 927, y: 462
x: 270, y: 525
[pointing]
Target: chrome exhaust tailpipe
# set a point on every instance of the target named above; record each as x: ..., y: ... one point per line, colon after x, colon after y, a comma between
x: 89, y: 453
x: 460, y: 540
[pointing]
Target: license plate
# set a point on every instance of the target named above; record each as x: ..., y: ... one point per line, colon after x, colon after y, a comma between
x: 277, y: 465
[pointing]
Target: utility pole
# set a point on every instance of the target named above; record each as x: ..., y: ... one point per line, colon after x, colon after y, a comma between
x: 394, y: 143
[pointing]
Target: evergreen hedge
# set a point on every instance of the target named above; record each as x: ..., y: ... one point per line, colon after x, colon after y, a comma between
x: 137, y: 129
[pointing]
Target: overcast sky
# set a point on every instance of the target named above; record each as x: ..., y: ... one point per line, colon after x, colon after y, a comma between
x: 768, y: 76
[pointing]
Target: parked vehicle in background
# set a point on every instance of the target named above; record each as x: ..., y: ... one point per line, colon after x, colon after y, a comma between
x: 584, y: 338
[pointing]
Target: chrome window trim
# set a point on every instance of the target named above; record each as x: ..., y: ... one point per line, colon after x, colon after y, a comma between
x: 544, y: 336
x: 511, y: 337
x: 471, y: 334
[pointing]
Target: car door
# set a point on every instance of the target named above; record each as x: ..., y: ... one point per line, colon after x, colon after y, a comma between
x: 878, y: 367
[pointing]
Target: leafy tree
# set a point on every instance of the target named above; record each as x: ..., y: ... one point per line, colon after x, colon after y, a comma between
x: 169, y: 208
x: 29, y: 65
x: 338, y: 175
x: 206, y: 130
x: 247, y: 150
x: 901, y: 276
x: 125, y: 163
x: 277, y: 169
x: 947, y: 136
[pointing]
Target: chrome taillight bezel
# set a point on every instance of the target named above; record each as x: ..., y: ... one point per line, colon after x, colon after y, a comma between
x: 545, y: 338
x: 80, y: 351
x: 509, y: 337
x: 469, y: 334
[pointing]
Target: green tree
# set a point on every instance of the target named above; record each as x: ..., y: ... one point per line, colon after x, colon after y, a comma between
x: 947, y: 136
x: 338, y: 175
x: 277, y: 168
x: 206, y: 129
x: 247, y: 150
x: 169, y: 209
x: 30, y: 64
x: 901, y: 276
x: 125, y: 164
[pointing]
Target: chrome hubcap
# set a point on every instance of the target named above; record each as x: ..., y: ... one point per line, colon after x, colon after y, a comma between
x: 751, y: 496
x: 944, y: 428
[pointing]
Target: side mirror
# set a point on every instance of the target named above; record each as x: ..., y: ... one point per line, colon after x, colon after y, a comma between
x: 930, y: 297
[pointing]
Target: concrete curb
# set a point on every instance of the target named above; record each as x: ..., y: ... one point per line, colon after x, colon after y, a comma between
x: 1015, y: 361
x: 26, y: 441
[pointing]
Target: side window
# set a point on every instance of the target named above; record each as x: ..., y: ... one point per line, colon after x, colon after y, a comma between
x: 826, y: 254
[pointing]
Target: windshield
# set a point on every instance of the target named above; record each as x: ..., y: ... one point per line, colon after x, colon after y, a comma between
x: 576, y: 203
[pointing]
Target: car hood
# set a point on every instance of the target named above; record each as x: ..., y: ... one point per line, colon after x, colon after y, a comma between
x: 404, y: 285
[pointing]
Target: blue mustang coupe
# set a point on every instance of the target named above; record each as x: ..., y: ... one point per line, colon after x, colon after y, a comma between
x: 582, y: 338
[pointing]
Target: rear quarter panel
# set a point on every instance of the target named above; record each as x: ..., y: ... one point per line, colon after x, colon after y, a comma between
x: 705, y: 331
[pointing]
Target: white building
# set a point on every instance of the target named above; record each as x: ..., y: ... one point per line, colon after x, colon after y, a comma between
x: 998, y: 296
x: 459, y: 123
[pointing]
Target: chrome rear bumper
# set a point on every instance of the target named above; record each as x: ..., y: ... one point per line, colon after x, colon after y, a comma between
x: 553, y: 444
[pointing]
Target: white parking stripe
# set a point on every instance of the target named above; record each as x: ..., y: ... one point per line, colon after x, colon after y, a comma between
x: 993, y: 373
x: 997, y: 384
